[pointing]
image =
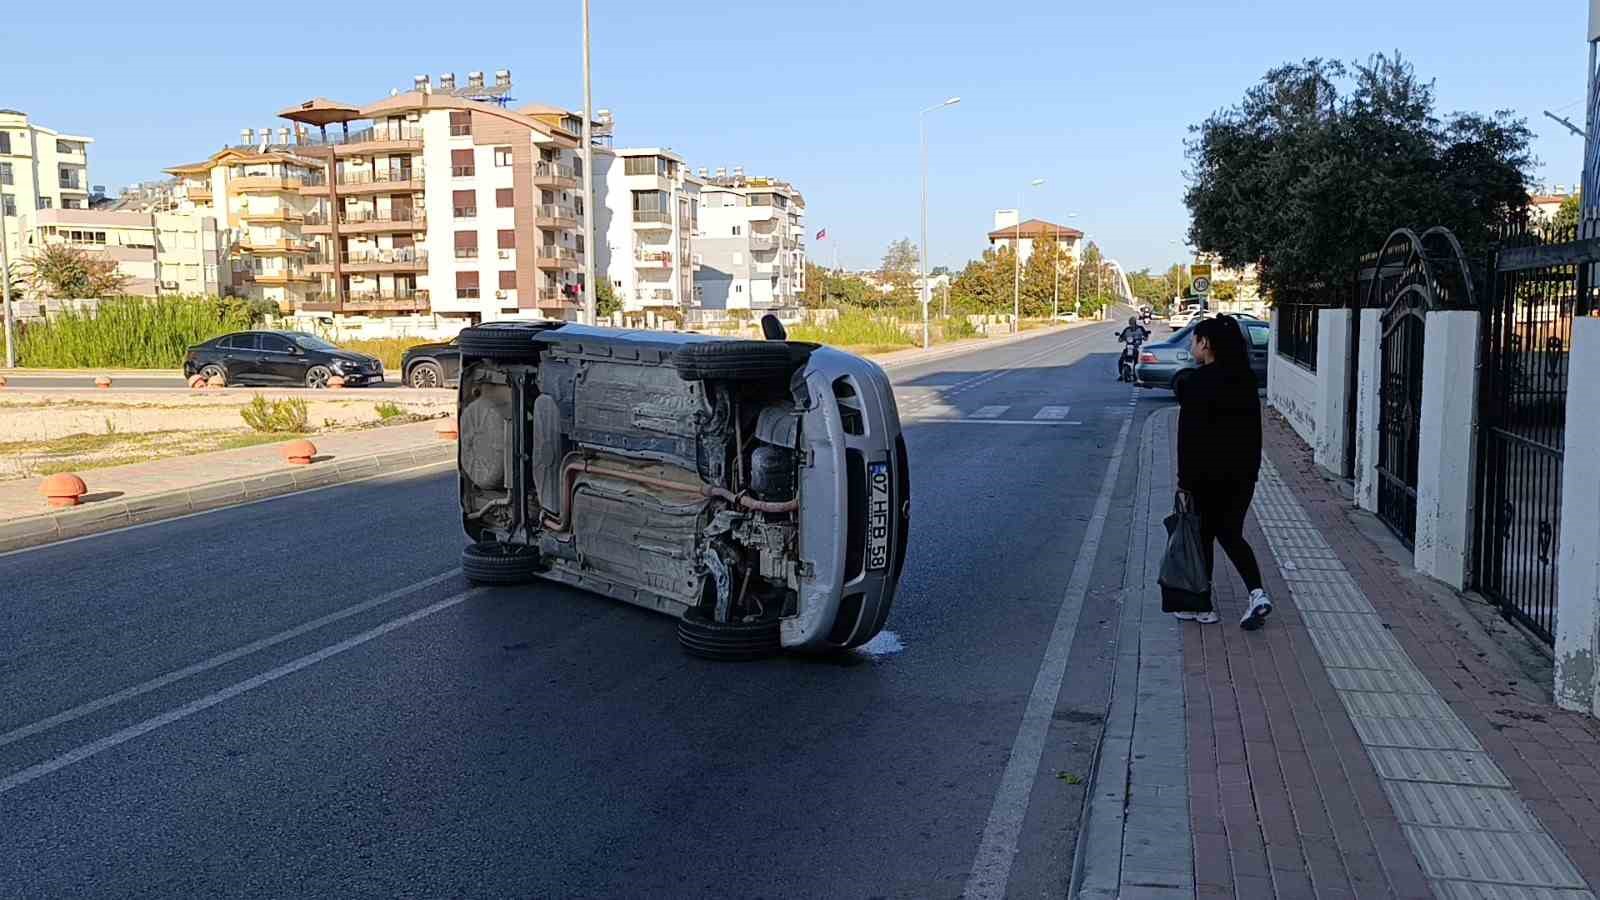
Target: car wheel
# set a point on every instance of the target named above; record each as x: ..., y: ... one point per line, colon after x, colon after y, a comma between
x: 213, y: 370
x: 699, y: 635
x: 510, y: 341
x: 317, y: 376
x: 492, y: 562
x: 425, y: 375
x: 739, y: 360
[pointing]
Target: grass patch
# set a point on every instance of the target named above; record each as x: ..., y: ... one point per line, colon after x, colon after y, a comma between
x: 275, y: 416
x: 82, y: 442
x: 858, y: 331
x: 130, y: 333
x: 957, y: 328
x: 80, y: 465
x: 388, y: 409
x: 387, y: 349
x: 256, y: 439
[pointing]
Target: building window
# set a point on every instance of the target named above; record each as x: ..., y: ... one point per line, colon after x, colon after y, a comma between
x: 466, y: 245
x: 465, y: 204
x: 65, y: 147
x: 506, y: 239
x: 502, y: 157
x: 460, y: 124
x: 639, y: 165
x: 508, y: 281
x: 461, y: 164
x: 5, y: 173
x: 467, y: 285
x: 44, y: 203
x: 5, y: 142
x: 503, y: 198
x: 8, y: 203
x: 737, y: 231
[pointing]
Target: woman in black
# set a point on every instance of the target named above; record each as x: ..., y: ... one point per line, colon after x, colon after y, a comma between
x: 1219, y: 453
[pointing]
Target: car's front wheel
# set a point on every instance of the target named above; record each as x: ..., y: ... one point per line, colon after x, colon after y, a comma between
x: 739, y: 360
x: 317, y: 376
x: 700, y: 635
x: 493, y: 562
x: 425, y: 375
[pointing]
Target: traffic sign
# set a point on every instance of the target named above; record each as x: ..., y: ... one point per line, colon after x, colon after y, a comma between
x: 1202, y: 284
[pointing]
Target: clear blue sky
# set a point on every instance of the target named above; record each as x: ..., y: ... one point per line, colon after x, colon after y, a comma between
x: 1096, y: 98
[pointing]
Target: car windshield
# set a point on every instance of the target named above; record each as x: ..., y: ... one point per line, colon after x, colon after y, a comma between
x: 309, y: 341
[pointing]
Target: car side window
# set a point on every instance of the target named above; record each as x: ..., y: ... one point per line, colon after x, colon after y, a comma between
x: 1260, y: 337
x: 275, y: 344
x: 243, y: 341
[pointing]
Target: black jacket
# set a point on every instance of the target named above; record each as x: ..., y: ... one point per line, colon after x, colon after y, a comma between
x: 1219, y: 428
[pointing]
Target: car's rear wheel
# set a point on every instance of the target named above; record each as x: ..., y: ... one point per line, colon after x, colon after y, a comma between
x: 317, y: 376
x: 509, y: 341
x: 739, y: 360
x: 213, y: 370
x: 493, y: 562
x: 425, y: 375
x: 700, y: 635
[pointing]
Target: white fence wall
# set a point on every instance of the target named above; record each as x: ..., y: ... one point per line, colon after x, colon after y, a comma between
x: 1292, y: 390
x: 1578, y: 578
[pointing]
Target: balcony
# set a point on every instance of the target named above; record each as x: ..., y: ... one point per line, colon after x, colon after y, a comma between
x: 368, y: 221
x: 197, y: 193
x: 281, y: 214
x: 403, y: 259
x: 379, y: 181
x: 652, y: 218
x: 763, y: 242
x: 377, y: 139
x: 654, y: 297
x: 281, y: 276
x: 548, y: 257
x: 281, y: 245
x: 653, y: 259
x: 256, y: 184
x: 547, y: 174
x: 401, y: 300
x: 72, y: 186
x: 552, y: 216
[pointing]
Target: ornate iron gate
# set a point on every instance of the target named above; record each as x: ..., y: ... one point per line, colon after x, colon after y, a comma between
x: 1540, y: 282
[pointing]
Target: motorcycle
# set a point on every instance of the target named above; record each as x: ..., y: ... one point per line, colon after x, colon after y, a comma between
x: 1130, y: 354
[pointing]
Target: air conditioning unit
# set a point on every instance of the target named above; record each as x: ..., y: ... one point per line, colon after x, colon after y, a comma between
x: 499, y: 295
x: 169, y: 285
x: 505, y: 254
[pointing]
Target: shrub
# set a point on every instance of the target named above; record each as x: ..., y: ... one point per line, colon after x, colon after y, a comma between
x: 388, y: 409
x: 275, y: 416
x: 387, y: 349
x: 855, y: 329
x: 958, y: 328
x: 130, y: 332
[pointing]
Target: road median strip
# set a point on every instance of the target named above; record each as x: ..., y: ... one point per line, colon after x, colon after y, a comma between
x: 121, y: 512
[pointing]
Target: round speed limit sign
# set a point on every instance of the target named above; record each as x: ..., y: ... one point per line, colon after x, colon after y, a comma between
x: 1202, y: 285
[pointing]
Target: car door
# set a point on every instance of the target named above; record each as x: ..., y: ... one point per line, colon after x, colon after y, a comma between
x: 1260, y: 344
x: 280, y: 363
x: 449, y: 357
x: 240, y: 356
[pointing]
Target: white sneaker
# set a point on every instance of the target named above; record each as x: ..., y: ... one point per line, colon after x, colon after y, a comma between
x: 1260, y: 608
x: 1205, y: 618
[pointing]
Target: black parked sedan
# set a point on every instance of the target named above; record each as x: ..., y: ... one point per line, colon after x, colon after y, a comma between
x: 1160, y: 362
x: 432, y: 365
x: 279, y: 357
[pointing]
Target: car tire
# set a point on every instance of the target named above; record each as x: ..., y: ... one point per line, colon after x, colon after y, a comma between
x: 211, y: 370
x: 493, y: 562
x: 425, y: 375
x: 509, y: 341
x: 701, y: 636
x: 317, y: 377
x: 739, y: 360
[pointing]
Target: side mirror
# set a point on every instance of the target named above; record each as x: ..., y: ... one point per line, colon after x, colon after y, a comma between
x: 772, y: 329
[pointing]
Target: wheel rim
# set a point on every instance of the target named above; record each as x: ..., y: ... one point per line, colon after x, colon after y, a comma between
x: 425, y: 376
x: 211, y: 371
x: 317, y: 377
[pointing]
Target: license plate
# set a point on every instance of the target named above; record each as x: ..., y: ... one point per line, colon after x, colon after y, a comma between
x: 878, y: 517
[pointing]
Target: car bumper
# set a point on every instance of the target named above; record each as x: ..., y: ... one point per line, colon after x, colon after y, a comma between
x: 846, y: 588
x: 1157, y: 375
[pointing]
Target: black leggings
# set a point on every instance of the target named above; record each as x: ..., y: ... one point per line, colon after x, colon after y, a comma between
x: 1222, y: 509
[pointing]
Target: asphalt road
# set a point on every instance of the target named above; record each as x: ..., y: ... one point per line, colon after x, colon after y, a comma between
x: 304, y: 698
x: 175, y: 382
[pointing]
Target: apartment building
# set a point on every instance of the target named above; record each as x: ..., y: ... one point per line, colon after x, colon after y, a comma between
x: 751, y: 242
x: 647, y: 211
x: 253, y: 191
x: 158, y: 253
x: 442, y: 205
x: 40, y: 169
x: 1009, y: 233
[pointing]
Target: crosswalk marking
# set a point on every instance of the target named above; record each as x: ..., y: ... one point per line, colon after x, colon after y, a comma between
x: 1052, y: 412
x: 990, y: 412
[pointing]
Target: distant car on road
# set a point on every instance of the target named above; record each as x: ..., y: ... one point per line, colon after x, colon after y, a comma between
x: 432, y: 365
x: 1160, y: 362
x: 279, y: 357
x: 1183, y: 315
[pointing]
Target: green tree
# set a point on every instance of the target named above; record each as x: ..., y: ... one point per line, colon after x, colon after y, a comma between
x: 900, y: 264
x: 1155, y: 290
x: 984, y: 285
x: 1566, y: 217
x: 1320, y: 161
x: 1224, y: 291
x: 606, y: 301
x: 64, y: 272
x: 1048, y: 261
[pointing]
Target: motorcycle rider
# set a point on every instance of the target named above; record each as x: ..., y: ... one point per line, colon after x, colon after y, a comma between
x: 1131, y: 337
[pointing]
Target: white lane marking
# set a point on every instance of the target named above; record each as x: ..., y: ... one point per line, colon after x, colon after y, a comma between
x: 990, y: 412
x: 998, y: 849
x: 216, y: 509
x: 1052, y: 412
x: 205, y: 665
x: 79, y: 754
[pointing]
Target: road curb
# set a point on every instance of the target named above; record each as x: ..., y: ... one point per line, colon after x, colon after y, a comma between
x: 106, y: 515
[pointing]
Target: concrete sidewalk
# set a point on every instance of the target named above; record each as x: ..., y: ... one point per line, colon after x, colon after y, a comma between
x: 1357, y: 746
x: 144, y: 492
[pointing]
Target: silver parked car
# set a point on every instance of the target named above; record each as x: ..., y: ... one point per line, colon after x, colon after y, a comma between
x: 757, y: 490
x: 1160, y: 362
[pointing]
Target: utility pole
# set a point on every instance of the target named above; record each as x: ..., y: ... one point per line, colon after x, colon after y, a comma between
x: 590, y: 311
x: 5, y: 286
x: 922, y: 134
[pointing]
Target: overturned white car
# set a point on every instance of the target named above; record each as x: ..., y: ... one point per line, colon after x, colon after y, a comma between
x: 758, y: 490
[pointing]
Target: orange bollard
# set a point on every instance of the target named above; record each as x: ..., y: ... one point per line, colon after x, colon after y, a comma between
x: 446, y: 429
x: 102, y: 382
x: 63, y: 489
x: 299, y: 452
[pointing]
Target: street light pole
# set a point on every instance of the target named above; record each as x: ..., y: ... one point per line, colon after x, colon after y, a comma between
x: 922, y: 134
x: 5, y: 286
x: 590, y: 312
x: 1016, y: 265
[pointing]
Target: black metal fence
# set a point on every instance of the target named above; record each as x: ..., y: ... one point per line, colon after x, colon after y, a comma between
x: 1541, y: 280
x: 1297, y: 332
